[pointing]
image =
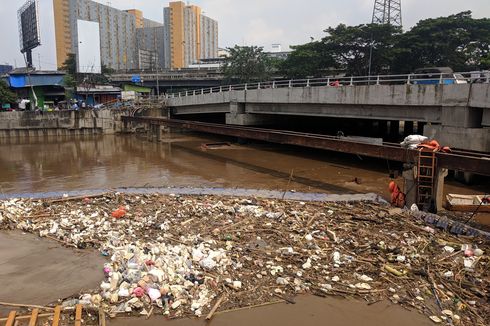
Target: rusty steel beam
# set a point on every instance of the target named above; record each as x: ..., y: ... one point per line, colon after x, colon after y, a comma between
x: 474, y: 164
x: 471, y: 162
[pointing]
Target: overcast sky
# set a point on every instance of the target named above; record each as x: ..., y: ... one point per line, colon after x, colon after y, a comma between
x: 249, y: 22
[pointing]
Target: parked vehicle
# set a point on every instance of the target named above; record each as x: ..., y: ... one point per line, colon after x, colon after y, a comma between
x: 437, y: 75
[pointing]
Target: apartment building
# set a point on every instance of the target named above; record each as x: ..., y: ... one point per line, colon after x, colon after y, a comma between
x: 189, y: 36
x: 118, y: 31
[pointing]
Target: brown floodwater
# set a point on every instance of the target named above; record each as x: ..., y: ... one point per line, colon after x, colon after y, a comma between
x: 101, y: 162
x: 41, y: 271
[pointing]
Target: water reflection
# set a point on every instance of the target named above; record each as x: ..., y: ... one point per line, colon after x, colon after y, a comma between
x: 102, y: 162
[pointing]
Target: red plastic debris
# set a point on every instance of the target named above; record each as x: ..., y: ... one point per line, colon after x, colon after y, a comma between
x: 138, y: 292
x: 119, y: 213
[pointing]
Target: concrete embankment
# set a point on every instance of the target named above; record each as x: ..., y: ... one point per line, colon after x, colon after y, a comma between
x: 60, y: 123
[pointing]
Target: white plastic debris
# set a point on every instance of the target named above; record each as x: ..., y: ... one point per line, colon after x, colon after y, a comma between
x: 307, y: 264
x: 363, y: 286
x: 237, y: 285
x: 154, y: 294
x: 281, y: 281
x: 436, y: 319
x: 447, y: 312
x: 54, y: 228
x: 469, y: 263
x: 401, y: 258
x: 448, y: 274
x: 176, y: 304
x: 448, y: 249
x: 364, y: 278
x: 478, y: 252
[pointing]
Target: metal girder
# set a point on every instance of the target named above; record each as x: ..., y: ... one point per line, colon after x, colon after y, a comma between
x: 469, y: 161
x: 474, y: 164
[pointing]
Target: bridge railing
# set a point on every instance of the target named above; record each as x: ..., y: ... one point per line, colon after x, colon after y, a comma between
x: 410, y: 79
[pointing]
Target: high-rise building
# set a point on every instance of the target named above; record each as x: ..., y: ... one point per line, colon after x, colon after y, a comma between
x: 150, y: 45
x: 209, y: 38
x: 118, y: 31
x: 189, y: 36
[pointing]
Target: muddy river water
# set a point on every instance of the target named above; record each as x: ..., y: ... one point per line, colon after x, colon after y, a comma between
x: 101, y: 162
x: 42, y: 165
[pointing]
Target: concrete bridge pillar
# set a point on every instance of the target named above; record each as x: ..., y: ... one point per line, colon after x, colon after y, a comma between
x: 238, y: 116
x: 441, y: 174
x: 410, y: 185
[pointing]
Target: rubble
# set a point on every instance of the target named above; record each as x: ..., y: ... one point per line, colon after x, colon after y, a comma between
x: 181, y: 255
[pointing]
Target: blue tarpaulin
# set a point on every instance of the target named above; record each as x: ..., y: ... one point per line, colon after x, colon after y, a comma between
x: 17, y: 81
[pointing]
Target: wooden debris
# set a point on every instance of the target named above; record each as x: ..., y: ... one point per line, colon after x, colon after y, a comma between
x: 215, y: 307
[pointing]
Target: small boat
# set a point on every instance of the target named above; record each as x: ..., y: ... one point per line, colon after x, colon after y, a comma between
x: 468, y: 203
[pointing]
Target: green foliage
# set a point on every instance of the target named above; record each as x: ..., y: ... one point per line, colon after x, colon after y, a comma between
x: 350, y: 47
x: 248, y: 64
x: 73, y: 78
x: 308, y: 60
x: 6, y: 95
x: 457, y: 41
x: 70, y: 65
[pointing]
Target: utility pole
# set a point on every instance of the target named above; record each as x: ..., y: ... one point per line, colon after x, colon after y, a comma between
x: 158, y: 83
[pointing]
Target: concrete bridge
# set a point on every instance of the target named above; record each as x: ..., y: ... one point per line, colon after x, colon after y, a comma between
x: 455, y: 114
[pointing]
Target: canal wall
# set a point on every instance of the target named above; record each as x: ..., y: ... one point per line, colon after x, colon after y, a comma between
x: 60, y: 123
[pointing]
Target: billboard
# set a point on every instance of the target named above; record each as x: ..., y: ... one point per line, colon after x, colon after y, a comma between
x: 29, y: 31
x: 89, y: 61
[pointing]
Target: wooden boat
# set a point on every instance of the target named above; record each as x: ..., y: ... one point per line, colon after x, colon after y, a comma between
x: 468, y: 203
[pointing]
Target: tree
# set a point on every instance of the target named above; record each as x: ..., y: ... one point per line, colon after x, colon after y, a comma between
x: 346, y: 48
x: 308, y: 60
x: 457, y: 41
x: 73, y: 78
x: 248, y: 64
x: 70, y: 69
x: 6, y: 95
x: 352, y: 47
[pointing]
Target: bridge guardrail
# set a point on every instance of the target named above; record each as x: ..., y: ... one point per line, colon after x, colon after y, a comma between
x: 410, y: 79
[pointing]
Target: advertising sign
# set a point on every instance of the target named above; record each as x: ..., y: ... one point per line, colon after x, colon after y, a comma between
x: 29, y: 31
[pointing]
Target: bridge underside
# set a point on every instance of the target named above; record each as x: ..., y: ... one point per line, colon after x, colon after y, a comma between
x: 456, y: 115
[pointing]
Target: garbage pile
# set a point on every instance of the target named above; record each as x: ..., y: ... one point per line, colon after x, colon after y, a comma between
x: 187, y: 255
